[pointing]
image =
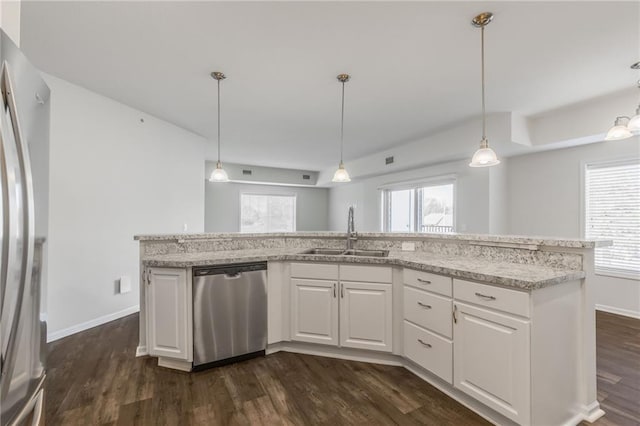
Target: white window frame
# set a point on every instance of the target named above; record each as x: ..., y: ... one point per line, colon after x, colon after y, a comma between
x: 271, y: 194
x: 583, y: 209
x: 417, y: 186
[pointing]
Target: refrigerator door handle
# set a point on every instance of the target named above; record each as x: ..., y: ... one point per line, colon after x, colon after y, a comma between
x: 26, y: 261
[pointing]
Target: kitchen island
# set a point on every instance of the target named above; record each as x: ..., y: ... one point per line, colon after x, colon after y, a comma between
x: 504, y: 325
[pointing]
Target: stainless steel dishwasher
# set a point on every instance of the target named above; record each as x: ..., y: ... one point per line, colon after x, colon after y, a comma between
x: 229, y: 313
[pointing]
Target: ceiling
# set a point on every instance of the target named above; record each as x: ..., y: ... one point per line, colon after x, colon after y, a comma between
x: 414, y: 65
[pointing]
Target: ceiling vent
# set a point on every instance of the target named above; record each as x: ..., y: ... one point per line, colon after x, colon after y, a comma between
x: 388, y: 160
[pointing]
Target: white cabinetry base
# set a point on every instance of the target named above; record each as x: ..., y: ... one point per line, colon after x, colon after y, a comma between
x: 174, y: 364
x: 142, y: 351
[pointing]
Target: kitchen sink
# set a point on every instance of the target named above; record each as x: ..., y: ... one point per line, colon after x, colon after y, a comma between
x: 324, y: 251
x: 341, y: 252
x: 370, y: 253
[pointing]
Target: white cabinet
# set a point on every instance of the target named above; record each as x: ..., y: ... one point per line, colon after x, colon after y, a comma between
x: 169, y: 313
x: 429, y: 351
x: 428, y: 324
x: 491, y: 360
x: 314, y: 310
x: 354, y: 313
x: 365, y: 315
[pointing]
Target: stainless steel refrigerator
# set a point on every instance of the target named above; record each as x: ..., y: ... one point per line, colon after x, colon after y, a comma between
x: 24, y: 170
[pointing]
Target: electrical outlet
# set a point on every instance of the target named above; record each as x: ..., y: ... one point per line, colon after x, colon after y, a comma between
x: 407, y: 246
x: 125, y: 284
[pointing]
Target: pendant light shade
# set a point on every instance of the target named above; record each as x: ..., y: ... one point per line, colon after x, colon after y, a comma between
x: 634, y: 123
x: 619, y: 131
x: 341, y: 175
x: 485, y: 156
x: 218, y: 175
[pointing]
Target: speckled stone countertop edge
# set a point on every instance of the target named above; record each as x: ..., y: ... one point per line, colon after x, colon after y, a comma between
x: 540, y: 277
x: 469, y: 238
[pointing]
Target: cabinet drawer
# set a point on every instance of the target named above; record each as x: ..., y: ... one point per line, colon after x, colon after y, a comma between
x: 427, y: 281
x: 371, y: 274
x: 503, y: 299
x: 429, y: 351
x: 320, y: 271
x: 428, y: 310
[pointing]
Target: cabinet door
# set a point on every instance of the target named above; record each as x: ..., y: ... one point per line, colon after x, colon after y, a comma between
x: 491, y: 360
x: 169, y: 310
x: 365, y: 316
x: 314, y: 311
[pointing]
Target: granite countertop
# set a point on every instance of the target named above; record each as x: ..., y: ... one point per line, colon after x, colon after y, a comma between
x: 520, y: 276
x: 482, y: 239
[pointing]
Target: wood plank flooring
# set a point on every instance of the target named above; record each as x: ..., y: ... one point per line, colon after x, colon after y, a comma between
x: 618, y: 359
x: 95, y: 379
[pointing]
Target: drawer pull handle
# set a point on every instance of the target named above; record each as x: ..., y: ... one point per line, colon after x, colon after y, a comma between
x: 424, y: 281
x: 484, y: 296
x: 428, y: 345
x: 424, y: 306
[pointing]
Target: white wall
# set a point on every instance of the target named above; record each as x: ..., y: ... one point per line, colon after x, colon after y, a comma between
x: 545, y: 192
x: 222, y: 205
x: 10, y: 19
x: 111, y: 177
x: 473, y: 197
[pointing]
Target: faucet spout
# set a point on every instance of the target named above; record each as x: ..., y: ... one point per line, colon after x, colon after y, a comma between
x: 352, y: 235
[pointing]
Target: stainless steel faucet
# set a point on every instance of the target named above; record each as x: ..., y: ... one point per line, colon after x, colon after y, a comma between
x: 352, y: 235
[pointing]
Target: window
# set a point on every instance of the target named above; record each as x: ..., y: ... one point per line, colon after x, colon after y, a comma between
x: 420, y: 207
x: 612, y: 211
x: 267, y: 213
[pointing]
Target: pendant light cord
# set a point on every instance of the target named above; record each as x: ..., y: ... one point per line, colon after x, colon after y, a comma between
x: 484, y: 117
x: 342, y: 125
x: 218, y: 121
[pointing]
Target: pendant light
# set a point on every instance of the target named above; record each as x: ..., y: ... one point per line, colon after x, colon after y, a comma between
x: 485, y: 156
x: 620, y: 130
x: 218, y: 175
x: 341, y: 174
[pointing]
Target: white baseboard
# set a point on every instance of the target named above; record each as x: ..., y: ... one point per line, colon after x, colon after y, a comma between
x: 361, y: 355
x: 592, y: 412
x: 618, y: 311
x: 91, y: 323
x: 175, y: 364
x: 141, y: 351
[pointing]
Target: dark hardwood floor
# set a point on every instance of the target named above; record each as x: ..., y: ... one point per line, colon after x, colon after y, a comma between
x: 618, y: 358
x: 94, y: 378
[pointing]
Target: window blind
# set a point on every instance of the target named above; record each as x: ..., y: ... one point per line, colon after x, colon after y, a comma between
x: 612, y: 211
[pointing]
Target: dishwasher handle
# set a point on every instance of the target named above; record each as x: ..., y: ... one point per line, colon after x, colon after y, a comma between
x: 233, y: 275
x: 232, y: 270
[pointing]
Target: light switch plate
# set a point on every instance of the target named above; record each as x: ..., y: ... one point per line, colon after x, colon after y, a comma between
x: 125, y: 284
x: 407, y: 246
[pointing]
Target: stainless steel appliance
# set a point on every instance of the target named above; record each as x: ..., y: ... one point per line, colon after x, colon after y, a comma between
x: 229, y: 313
x: 24, y: 140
